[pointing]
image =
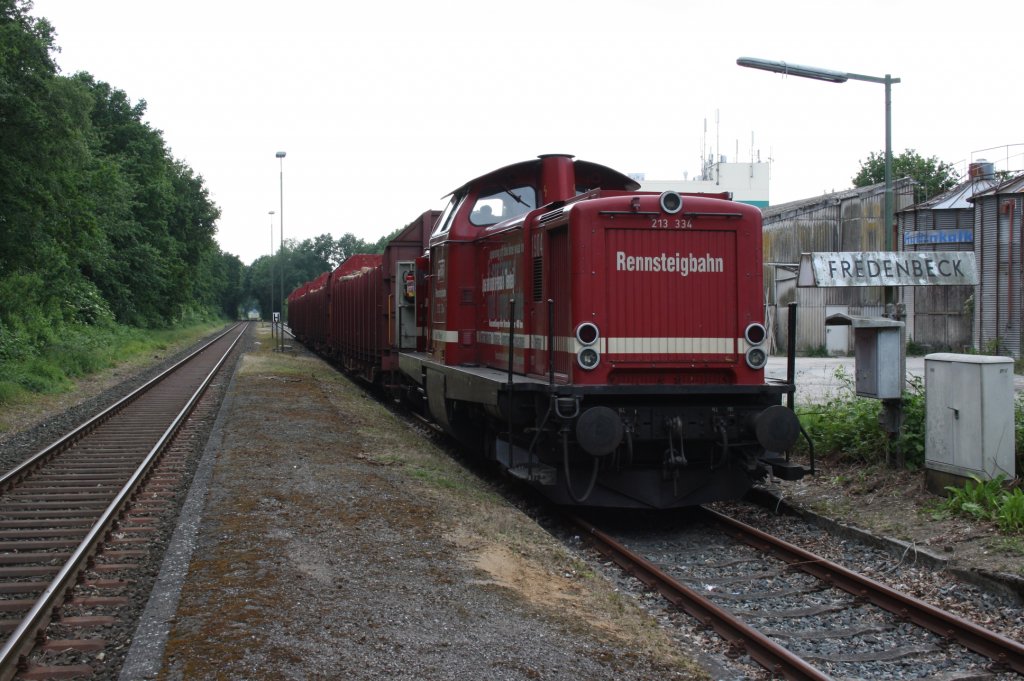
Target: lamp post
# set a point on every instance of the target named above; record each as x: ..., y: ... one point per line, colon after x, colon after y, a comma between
x: 280, y: 156
x: 831, y: 76
x: 893, y: 407
x: 270, y: 300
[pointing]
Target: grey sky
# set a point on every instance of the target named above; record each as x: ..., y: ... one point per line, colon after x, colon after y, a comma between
x: 384, y: 107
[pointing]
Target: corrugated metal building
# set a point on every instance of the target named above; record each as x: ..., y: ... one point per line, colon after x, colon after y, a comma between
x: 998, y: 233
x: 850, y: 220
x: 939, y: 317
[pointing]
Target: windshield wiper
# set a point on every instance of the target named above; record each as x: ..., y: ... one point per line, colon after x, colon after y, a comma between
x: 515, y: 196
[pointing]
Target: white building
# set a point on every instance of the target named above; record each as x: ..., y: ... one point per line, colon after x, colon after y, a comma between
x: 748, y: 182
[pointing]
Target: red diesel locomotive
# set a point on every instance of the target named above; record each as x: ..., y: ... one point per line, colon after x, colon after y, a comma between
x: 602, y: 343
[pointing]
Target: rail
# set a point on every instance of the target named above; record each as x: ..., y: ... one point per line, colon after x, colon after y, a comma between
x: 998, y: 648
x: 742, y: 637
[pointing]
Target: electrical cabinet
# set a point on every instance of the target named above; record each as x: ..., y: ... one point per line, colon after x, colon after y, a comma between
x: 969, y: 426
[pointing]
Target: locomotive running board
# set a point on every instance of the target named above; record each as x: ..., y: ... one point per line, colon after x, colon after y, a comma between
x: 520, y: 465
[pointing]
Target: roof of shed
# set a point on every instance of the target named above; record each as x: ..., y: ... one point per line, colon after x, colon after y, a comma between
x: 1015, y: 185
x: 959, y: 197
x: 822, y: 200
x: 830, y: 199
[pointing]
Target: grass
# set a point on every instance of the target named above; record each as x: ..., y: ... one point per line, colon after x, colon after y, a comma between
x: 436, y: 478
x: 82, y: 351
x: 1009, y: 546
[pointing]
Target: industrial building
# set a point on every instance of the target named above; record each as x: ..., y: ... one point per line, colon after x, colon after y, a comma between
x: 982, y: 214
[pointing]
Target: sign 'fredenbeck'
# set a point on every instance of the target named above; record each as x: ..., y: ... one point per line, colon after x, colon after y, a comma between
x: 888, y: 268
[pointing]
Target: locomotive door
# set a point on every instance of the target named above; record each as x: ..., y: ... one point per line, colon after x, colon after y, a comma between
x: 558, y: 270
x: 405, y: 305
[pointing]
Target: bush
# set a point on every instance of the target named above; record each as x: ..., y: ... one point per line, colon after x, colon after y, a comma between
x: 1010, y: 511
x: 1018, y: 423
x: 84, y: 304
x: 80, y: 351
x: 846, y: 426
x: 989, y: 500
x: 819, y: 351
x: 10, y: 391
x: 915, y: 349
x: 977, y: 498
x: 911, y: 441
x: 36, y: 375
x: 77, y: 350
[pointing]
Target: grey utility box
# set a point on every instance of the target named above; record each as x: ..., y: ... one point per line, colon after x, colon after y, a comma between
x: 880, y: 365
x: 969, y: 426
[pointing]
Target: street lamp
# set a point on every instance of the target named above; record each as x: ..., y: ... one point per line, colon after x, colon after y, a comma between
x: 831, y: 76
x: 270, y: 300
x: 280, y: 156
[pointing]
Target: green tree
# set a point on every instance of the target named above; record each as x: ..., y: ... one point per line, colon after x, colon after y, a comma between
x: 382, y: 242
x: 98, y: 222
x: 932, y: 175
x: 220, y: 283
x: 304, y: 261
x: 326, y: 249
x: 45, y: 168
x: 159, y: 257
x: 258, y: 284
x: 350, y: 244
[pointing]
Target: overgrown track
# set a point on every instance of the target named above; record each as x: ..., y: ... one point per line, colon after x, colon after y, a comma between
x: 828, y: 634
x: 70, y: 502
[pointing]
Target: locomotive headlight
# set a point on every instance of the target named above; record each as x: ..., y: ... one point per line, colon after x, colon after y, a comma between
x: 671, y: 202
x: 587, y: 333
x: 588, y: 358
x: 755, y: 333
x: 756, y: 358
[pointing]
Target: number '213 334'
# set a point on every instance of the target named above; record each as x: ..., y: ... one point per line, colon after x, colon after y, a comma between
x: 671, y: 223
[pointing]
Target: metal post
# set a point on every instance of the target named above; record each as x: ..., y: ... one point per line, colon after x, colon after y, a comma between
x: 511, y: 369
x: 270, y: 300
x: 280, y: 156
x: 551, y: 344
x: 889, y: 298
x: 791, y: 354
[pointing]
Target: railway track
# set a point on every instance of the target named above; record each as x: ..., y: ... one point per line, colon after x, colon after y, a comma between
x: 79, y: 513
x: 800, y: 616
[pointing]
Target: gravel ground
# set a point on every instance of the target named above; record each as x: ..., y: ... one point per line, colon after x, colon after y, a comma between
x: 336, y: 543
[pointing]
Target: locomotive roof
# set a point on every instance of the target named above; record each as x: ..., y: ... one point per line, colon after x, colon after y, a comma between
x: 592, y: 175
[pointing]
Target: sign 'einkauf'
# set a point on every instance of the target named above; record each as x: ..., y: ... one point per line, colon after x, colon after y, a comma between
x: 888, y: 268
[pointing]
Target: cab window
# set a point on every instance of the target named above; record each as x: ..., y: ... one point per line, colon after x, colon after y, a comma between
x: 444, y: 223
x: 502, y: 204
